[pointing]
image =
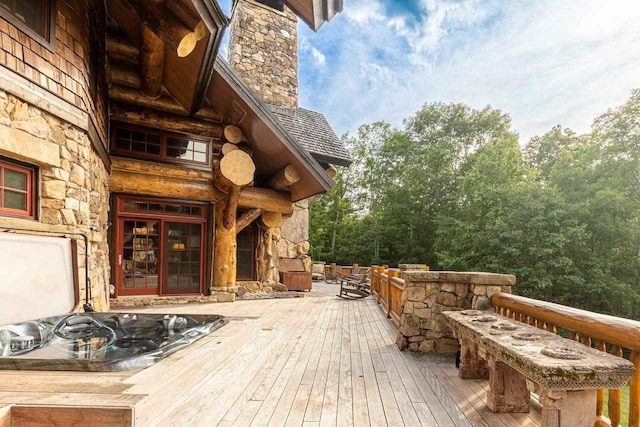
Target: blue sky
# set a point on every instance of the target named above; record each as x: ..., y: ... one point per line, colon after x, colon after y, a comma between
x: 545, y: 62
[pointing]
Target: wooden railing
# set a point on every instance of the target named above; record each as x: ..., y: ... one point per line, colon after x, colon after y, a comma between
x: 388, y: 288
x: 620, y: 337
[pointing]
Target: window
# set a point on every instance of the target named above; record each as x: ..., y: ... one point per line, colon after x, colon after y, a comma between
x: 35, y: 17
x: 140, y: 142
x: 16, y: 189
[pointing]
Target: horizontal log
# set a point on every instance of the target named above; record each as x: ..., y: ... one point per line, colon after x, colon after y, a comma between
x: 271, y: 219
x: 189, y: 17
x: 233, y: 134
x: 121, y: 50
x: 124, y: 75
x: 624, y: 333
x: 285, y: 178
x: 133, y: 96
x: 267, y: 199
x: 208, y: 113
x: 165, y: 121
x: 163, y: 186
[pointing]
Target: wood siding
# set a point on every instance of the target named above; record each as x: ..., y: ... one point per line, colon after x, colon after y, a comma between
x: 65, y: 70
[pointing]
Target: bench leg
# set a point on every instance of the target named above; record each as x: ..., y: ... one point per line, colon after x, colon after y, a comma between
x: 508, y: 390
x: 472, y: 366
x: 568, y: 408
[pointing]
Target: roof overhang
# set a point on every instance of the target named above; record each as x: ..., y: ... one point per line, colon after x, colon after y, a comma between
x: 315, y: 12
x: 273, y: 147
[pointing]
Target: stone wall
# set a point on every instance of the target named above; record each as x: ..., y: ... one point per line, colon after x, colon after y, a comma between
x: 72, y: 184
x: 428, y: 293
x: 293, y: 239
x: 263, y: 49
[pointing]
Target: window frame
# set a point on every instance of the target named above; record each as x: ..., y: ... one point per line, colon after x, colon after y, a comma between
x: 48, y: 39
x: 164, y: 137
x: 30, y: 192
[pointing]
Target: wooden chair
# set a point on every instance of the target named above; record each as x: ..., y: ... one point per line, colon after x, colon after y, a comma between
x: 318, y: 271
x: 334, y: 273
x: 352, y: 287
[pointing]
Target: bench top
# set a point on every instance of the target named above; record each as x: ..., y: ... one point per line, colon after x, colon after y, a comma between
x: 545, y: 358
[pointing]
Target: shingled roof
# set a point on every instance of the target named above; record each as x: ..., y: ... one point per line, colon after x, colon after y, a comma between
x: 312, y: 130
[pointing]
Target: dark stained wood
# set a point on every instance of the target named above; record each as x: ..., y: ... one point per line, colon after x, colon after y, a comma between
x: 124, y: 75
x: 151, y: 63
x: 120, y: 49
x: 207, y: 113
x: 165, y: 121
x: 189, y: 17
x: 293, y: 274
x: 159, y: 19
x: 133, y: 96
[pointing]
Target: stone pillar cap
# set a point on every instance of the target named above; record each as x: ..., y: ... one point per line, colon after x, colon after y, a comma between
x: 474, y: 278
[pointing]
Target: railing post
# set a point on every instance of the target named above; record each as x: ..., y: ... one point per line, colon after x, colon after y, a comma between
x: 392, y: 273
x: 634, y: 392
x: 372, y: 278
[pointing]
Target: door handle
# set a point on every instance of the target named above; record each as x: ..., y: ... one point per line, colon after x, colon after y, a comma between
x: 120, y: 259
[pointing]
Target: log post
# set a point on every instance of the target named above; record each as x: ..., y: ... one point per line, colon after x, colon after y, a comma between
x: 269, y: 224
x: 234, y: 171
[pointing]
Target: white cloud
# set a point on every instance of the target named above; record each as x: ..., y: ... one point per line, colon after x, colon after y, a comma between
x: 318, y: 57
x: 542, y: 61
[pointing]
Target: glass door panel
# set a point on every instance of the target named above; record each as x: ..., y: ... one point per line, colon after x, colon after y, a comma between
x: 183, y: 243
x: 139, y: 262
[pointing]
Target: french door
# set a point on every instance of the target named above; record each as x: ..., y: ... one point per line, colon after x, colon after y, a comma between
x: 159, y: 247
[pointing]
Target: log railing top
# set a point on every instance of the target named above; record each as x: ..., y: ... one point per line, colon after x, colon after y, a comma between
x: 624, y: 333
x: 396, y: 281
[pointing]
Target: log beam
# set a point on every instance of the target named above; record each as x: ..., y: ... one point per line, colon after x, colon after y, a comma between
x: 151, y: 63
x: 166, y: 121
x: 165, y: 24
x: 267, y: 199
x: 163, y: 186
x: 189, y: 17
x: 271, y: 219
x: 285, y: 178
x: 233, y: 134
x: 133, y: 96
x: 120, y: 50
x: 247, y: 218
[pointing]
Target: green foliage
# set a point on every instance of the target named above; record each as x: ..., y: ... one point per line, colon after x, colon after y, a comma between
x: 454, y: 189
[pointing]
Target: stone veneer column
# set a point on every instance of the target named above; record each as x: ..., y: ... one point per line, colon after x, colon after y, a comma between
x: 428, y: 293
x: 263, y: 49
x: 293, y: 241
x: 73, y: 193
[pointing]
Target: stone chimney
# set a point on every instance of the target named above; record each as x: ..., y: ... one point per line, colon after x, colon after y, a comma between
x: 263, y: 49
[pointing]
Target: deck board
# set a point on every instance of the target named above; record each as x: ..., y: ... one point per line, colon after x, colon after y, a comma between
x: 312, y: 362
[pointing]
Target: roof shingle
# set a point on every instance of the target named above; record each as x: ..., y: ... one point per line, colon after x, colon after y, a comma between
x: 312, y: 130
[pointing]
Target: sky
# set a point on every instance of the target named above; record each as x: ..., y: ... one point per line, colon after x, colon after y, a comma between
x: 544, y: 62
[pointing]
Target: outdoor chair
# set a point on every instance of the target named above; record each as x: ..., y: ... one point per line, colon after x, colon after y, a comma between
x: 318, y: 271
x: 352, y: 287
x: 333, y: 273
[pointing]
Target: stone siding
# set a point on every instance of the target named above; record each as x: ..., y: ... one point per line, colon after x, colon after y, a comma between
x: 427, y: 294
x: 263, y: 49
x: 293, y: 238
x: 73, y: 190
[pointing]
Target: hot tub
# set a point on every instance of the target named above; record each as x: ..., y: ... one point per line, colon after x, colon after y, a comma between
x: 100, y: 341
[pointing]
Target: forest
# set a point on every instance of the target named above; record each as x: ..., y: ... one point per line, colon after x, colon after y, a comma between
x: 457, y: 189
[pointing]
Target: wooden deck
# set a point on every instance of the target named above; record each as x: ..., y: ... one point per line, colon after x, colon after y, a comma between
x: 313, y: 361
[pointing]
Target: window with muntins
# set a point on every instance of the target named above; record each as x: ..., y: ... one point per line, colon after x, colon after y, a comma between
x: 163, y: 146
x: 16, y: 189
x: 35, y: 17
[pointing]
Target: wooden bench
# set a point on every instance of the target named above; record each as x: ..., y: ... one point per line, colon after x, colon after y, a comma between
x: 518, y: 358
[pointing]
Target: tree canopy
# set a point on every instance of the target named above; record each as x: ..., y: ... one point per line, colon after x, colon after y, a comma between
x: 456, y: 189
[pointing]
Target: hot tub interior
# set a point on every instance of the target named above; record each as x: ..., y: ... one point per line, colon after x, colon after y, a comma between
x: 100, y: 341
